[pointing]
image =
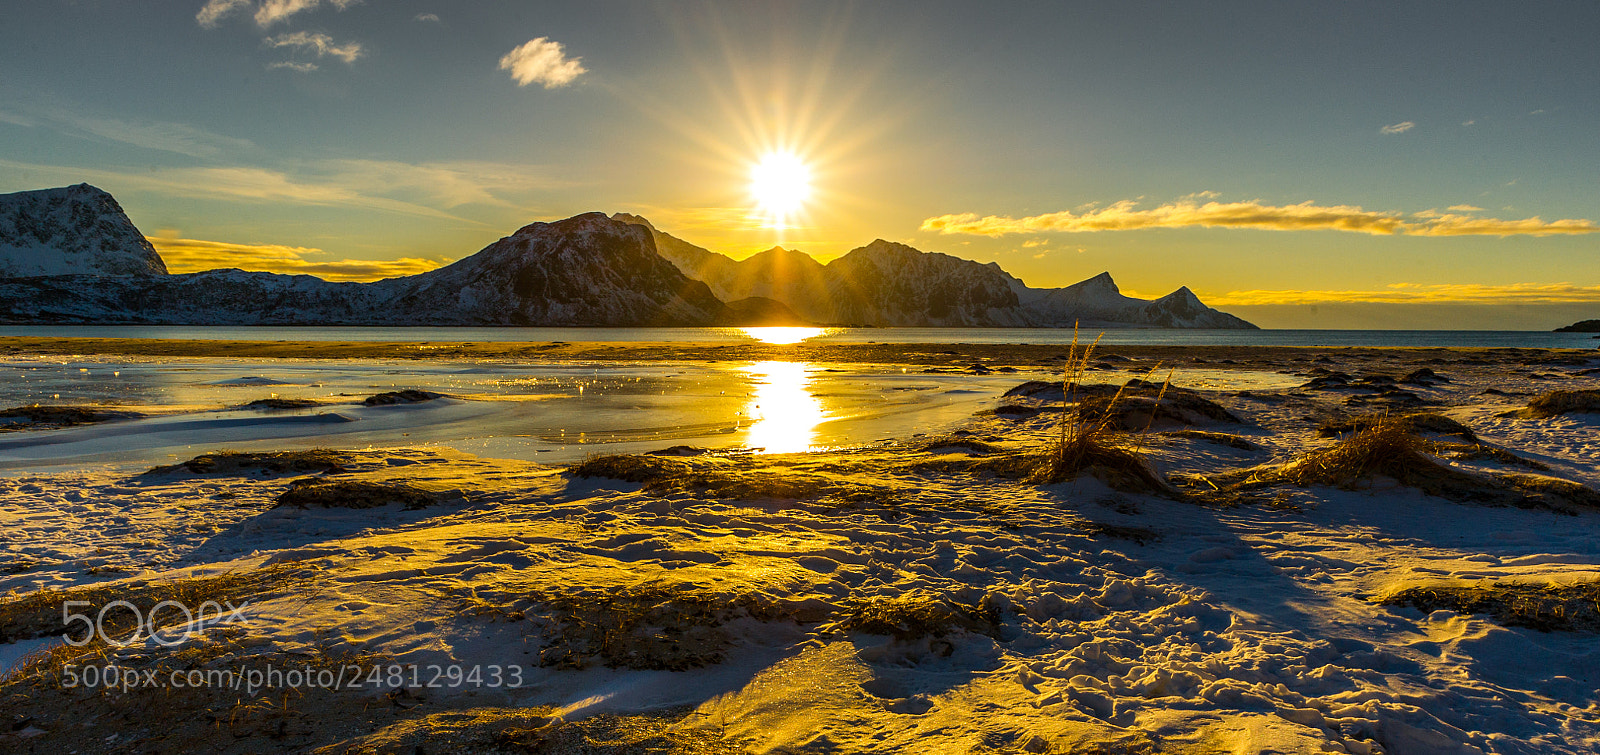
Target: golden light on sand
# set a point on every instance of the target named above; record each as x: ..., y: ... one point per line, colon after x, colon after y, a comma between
x: 786, y: 414
x: 782, y: 335
x: 780, y: 184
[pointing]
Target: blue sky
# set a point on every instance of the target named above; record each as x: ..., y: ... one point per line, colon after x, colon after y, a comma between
x: 1294, y: 163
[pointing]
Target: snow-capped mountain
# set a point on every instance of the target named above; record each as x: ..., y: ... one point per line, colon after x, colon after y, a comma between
x: 889, y: 284
x: 1098, y: 302
x: 72, y: 230
x: 585, y: 270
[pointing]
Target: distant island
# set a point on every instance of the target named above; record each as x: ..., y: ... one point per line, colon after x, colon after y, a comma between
x: 1584, y: 326
x: 72, y: 256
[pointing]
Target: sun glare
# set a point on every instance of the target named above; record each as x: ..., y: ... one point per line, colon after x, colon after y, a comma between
x: 779, y: 335
x: 780, y: 183
x: 785, y: 411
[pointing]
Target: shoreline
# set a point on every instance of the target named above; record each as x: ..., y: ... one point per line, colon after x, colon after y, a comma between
x: 922, y: 354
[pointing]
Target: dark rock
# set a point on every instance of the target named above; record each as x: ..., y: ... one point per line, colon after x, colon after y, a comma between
x: 407, y: 396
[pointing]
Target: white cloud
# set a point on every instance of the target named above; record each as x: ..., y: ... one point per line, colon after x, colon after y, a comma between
x: 543, y: 61
x: 269, y: 12
x: 428, y: 17
x: 292, y: 66
x: 214, y: 11
x: 1306, y: 216
x: 273, y: 11
x: 319, y: 43
x: 1397, y: 128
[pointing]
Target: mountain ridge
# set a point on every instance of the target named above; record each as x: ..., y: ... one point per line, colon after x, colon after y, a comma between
x: 75, y: 257
x: 865, y: 287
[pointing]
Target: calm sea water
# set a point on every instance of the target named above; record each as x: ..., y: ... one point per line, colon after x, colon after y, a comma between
x: 1131, y: 336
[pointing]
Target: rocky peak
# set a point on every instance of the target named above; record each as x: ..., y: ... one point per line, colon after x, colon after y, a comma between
x: 628, y: 217
x: 1102, y: 282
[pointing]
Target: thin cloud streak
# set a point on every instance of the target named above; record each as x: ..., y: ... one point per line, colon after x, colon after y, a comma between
x: 387, y: 186
x: 214, y: 11
x: 195, y: 255
x: 1418, y: 293
x: 319, y: 43
x: 164, y: 136
x: 1397, y: 128
x: 1306, y: 216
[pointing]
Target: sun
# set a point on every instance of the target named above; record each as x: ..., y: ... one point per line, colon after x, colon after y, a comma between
x: 780, y: 183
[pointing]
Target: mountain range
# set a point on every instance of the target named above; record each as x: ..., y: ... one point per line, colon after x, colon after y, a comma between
x: 71, y: 255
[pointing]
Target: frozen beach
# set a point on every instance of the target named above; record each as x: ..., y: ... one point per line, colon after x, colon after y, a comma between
x: 832, y: 560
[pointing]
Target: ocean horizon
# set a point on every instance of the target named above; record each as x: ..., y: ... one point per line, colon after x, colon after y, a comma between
x: 1108, y: 336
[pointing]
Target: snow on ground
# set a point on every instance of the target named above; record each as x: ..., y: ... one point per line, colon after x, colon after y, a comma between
x: 1123, y: 622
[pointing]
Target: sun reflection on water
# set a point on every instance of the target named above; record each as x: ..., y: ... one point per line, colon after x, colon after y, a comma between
x: 785, y: 412
x: 782, y: 335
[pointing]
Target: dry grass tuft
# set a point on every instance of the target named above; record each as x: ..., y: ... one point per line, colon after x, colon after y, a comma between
x: 38, y: 614
x: 209, y: 717
x: 711, y: 477
x: 1139, y: 535
x: 355, y: 494
x: 1137, y: 406
x: 972, y: 445
x: 1546, y: 607
x: 538, y: 731
x: 649, y: 626
x: 266, y: 462
x: 1100, y: 455
x: 762, y: 484
x: 914, y: 616
x: 1562, y: 402
x: 647, y: 469
x: 1221, y: 439
x: 1550, y: 491
x: 1088, y: 442
x: 1482, y: 452
x: 1422, y: 422
x: 1388, y: 447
